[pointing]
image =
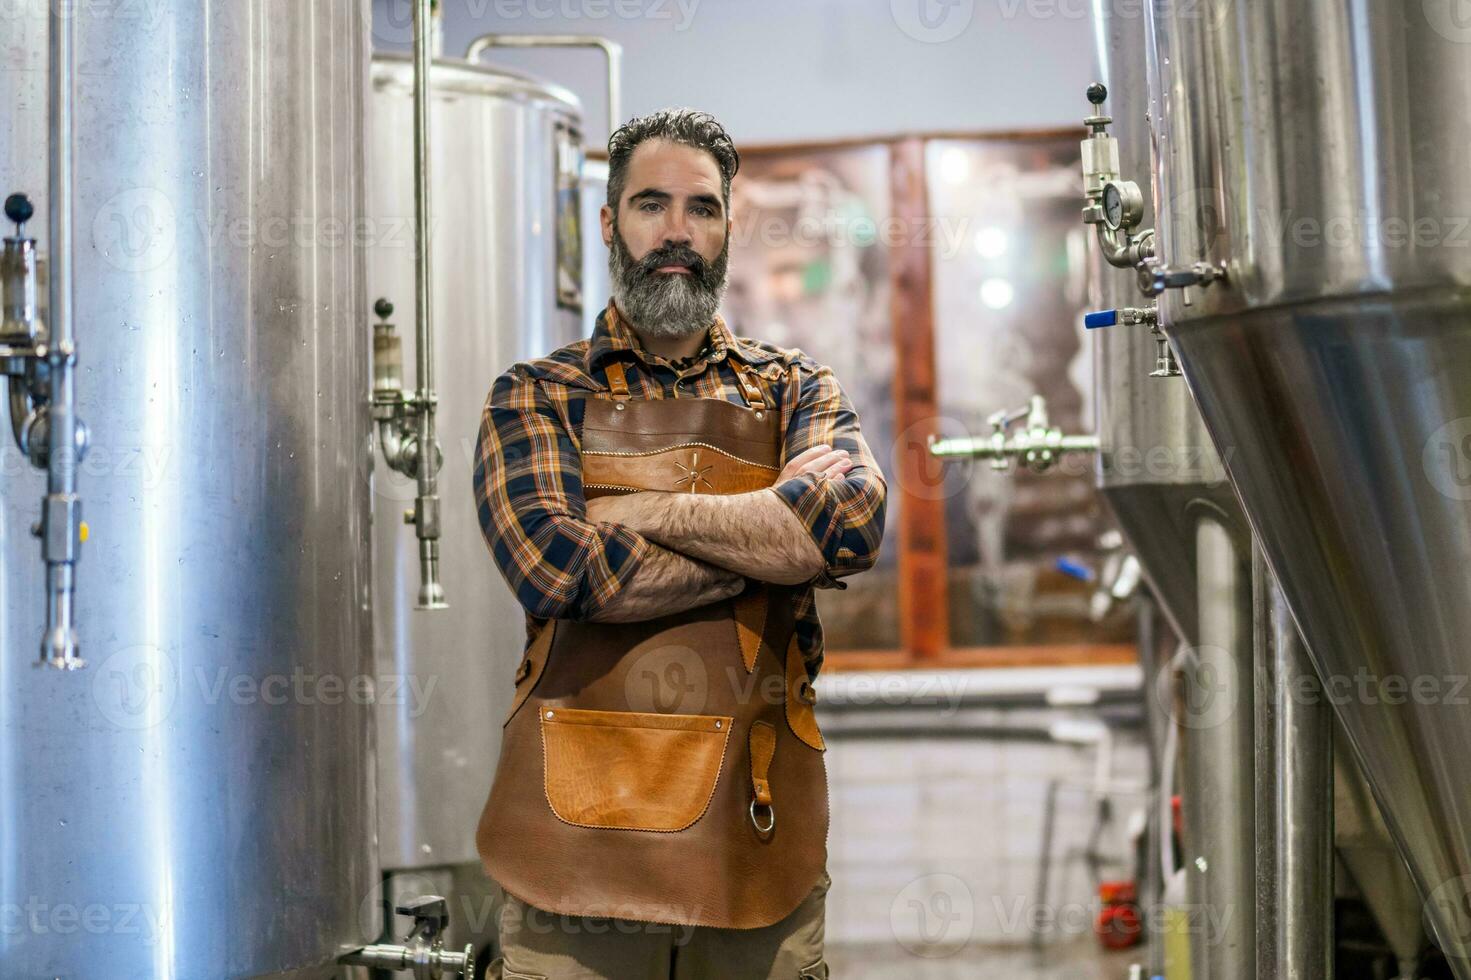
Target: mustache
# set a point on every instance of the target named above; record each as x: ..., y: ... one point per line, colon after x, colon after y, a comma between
x: 681, y: 255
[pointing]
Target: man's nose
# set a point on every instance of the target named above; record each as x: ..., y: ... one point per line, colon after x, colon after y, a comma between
x: 676, y: 230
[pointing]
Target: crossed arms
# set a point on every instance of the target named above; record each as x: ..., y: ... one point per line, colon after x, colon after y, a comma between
x: 635, y: 557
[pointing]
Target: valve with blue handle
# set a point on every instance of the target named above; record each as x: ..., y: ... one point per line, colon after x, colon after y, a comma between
x: 1165, y: 365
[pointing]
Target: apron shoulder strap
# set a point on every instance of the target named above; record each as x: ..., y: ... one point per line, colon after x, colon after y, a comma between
x: 617, y: 381
x: 750, y: 390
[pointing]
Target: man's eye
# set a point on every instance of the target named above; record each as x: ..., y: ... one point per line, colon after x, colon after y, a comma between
x: 649, y: 206
x: 703, y: 211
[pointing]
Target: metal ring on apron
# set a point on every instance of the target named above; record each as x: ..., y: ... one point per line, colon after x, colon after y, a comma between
x: 770, y: 823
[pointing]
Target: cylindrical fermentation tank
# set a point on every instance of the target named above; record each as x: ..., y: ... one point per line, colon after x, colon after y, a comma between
x: 198, y: 802
x: 506, y: 170
x: 1315, y: 155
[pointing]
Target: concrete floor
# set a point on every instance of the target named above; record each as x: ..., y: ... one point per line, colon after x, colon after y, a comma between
x: 1078, y: 960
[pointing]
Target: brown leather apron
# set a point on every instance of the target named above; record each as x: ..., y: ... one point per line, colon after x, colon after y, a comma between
x: 669, y: 770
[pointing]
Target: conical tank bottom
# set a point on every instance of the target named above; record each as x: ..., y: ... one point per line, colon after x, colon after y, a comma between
x: 1346, y: 429
x: 1159, y: 519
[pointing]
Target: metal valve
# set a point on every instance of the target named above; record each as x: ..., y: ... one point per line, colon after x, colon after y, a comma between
x: 1114, y: 207
x: 1155, y: 277
x: 38, y: 376
x: 1165, y: 365
x: 422, y: 950
x: 404, y: 419
x: 1037, y: 446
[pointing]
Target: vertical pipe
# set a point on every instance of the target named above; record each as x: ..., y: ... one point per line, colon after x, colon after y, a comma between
x: 1156, y: 646
x: 1303, y: 738
x: 1219, y: 766
x: 60, y: 515
x: 426, y: 505
x: 1269, y: 753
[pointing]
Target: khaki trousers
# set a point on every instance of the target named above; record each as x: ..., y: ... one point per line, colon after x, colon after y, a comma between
x: 540, y: 945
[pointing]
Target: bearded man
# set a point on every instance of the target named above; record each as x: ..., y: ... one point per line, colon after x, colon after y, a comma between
x: 663, y: 499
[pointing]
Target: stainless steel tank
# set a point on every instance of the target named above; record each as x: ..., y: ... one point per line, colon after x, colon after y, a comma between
x: 1316, y: 154
x: 1157, y: 467
x: 506, y: 172
x: 198, y: 803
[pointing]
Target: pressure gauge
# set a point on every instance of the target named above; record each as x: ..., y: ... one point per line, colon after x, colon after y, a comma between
x: 1123, y: 204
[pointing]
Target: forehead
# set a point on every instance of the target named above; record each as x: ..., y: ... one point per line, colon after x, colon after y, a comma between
x: 668, y: 166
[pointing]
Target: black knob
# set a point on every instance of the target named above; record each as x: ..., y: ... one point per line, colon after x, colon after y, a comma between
x: 18, y: 208
x: 383, y: 308
x: 1097, y: 93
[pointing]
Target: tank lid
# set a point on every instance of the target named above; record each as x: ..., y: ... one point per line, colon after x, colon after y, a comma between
x: 460, y: 76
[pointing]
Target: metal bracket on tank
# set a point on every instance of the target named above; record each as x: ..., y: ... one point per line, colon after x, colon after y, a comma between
x: 422, y: 950
x: 1038, y: 446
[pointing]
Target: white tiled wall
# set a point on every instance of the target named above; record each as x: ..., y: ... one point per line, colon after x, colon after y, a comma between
x: 943, y: 835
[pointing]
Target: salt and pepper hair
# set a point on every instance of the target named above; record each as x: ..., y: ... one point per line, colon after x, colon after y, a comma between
x: 687, y: 126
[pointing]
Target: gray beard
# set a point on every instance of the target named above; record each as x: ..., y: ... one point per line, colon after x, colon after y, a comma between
x: 667, y: 307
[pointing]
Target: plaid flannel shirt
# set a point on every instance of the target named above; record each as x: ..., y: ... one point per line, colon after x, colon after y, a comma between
x: 528, y: 470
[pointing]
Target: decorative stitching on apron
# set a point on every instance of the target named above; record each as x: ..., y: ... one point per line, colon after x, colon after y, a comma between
x: 681, y: 445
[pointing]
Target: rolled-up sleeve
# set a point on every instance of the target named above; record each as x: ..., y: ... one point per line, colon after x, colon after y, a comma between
x: 845, y: 516
x: 528, y: 487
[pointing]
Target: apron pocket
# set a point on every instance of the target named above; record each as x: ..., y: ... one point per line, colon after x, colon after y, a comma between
x: 631, y: 770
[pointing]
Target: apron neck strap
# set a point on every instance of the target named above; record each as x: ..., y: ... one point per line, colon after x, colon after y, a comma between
x: 617, y: 381
x: 750, y: 390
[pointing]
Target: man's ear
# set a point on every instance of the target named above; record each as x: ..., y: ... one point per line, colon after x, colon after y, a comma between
x: 605, y: 218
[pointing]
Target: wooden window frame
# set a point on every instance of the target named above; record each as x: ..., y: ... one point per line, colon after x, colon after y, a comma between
x: 924, y: 622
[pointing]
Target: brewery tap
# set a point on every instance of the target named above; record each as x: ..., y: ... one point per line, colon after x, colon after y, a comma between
x: 422, y: 950
x: 1115, y: 208
x: 1037, y: 446
x: 1165, y: 365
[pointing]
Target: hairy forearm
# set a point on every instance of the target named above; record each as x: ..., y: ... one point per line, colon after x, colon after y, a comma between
x: 665, y: 583
x: 754, y: 534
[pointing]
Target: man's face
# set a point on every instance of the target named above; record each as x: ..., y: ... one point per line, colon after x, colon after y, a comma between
x: 668, y: 243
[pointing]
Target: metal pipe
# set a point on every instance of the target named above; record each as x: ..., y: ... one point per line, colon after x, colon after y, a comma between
x: 426, y: 504
x: 1294, y: 798
x: 61, y: 511
x: 612, y: 53
x: 1219, y: 746
x: 985, y: 448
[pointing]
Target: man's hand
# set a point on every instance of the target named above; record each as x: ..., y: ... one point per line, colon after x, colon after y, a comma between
x: 822, y: 460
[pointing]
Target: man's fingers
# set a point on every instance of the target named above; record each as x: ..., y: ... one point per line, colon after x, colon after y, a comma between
x: 821, y: 463
x: 838, y: 469
x: 807, y: 455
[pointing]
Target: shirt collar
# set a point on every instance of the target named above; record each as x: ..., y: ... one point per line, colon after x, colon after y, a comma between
x: 613, y: 334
